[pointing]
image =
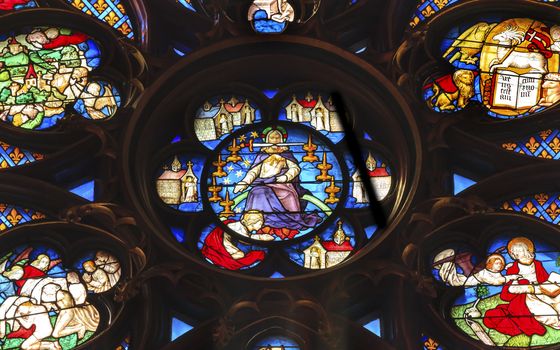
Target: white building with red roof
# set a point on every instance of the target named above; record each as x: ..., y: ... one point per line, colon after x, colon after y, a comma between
x: 325, y: 254
x: 320, y: 115
x: 380, y: 180
x: 214, y: 121
x: 176, y: 185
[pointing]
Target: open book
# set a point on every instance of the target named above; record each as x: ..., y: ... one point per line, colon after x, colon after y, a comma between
x: 514, y: 91
x: 552, y: 285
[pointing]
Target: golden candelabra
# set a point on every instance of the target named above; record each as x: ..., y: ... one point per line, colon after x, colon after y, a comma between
x: 227, y: 204
x: 332, y: 190
x: 219, y: 164
x: 215, y: 190
x: 234, y: 149
x: 324, y: 167
x: 310, y: 149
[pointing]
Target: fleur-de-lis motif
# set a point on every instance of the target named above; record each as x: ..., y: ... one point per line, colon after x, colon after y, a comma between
x: 100, y: 5
x: 16, y: 155
x: 79, y: 4
x: 3, y: 207
x: 428, y: 11
x: 545, y: 133
x: 553, y: 210
x: 517, y: 201
x: 441, y: 3
x: 112, y: 18
x: 431, y: 344
x: 532, y: 145
x: 529, y: 208
x: 121, y: 9
x: 125, y: 28
x: 506, y: 206
x: 4, y: 146
x: 509, y: 146
x: 545, y: 154
x: 541, y: 198
x: 38, y: 216
x: 14, y: 217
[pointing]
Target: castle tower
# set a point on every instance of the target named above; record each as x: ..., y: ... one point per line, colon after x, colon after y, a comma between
x: 223, y: 120
x: 190, y: 185
x: 314, y: 256
x: 233, y: 101
x: 371, y: 162
x: 14, y: 46
x: 176, y: 165
x: 247, y: 113
x: 320, y: 116
x: 339, y: 237
x: 293, y: 110
x: 14, y: 88
x: 31, y: 77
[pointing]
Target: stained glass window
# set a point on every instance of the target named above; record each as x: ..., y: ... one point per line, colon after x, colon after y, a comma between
x: 428, y: 8
x: 498, y: 281
x: 247, y: 173
x: 111, y: 12
x: 325, y: 250
x: 461, y: 183
x: 374, y: 326
x: 178, y: 183
x: 47, y: 68
x: 33, y: 277
x: 508, y: 65
x: 270, y: 16
x: 12, y: 156
x: 545, y: 206
x: 430, y: 344
x: 508, y: 294
x: 221, y: 249
x: 276, y: 343
x: 11, y: 215
x: 85, y: 190
x: 219, y: 117
x: 545, y: 144
x: 283, y: 182
x: 178, y: 328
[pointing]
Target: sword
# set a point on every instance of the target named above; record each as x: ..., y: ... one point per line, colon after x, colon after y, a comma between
x: 251, y: 144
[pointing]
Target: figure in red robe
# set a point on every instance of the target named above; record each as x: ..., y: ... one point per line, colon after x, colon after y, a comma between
x: 7, y: 5
x: 527, y: 310
x: 219, y: 249
x: 515, y: 318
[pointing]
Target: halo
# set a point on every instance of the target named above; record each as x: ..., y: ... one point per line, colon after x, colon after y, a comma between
x: 526, y: 241
x: 279, y: 128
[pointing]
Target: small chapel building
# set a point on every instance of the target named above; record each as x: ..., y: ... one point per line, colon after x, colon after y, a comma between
x: 320, y: 115
x: 325, y: 254
x: 176, y: 185
x: 212, y: 122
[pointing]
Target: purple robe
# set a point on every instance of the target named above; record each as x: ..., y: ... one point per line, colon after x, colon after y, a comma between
x: 280, y: 202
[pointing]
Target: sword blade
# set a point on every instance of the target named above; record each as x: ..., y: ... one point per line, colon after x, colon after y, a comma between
x: 278, y: 144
